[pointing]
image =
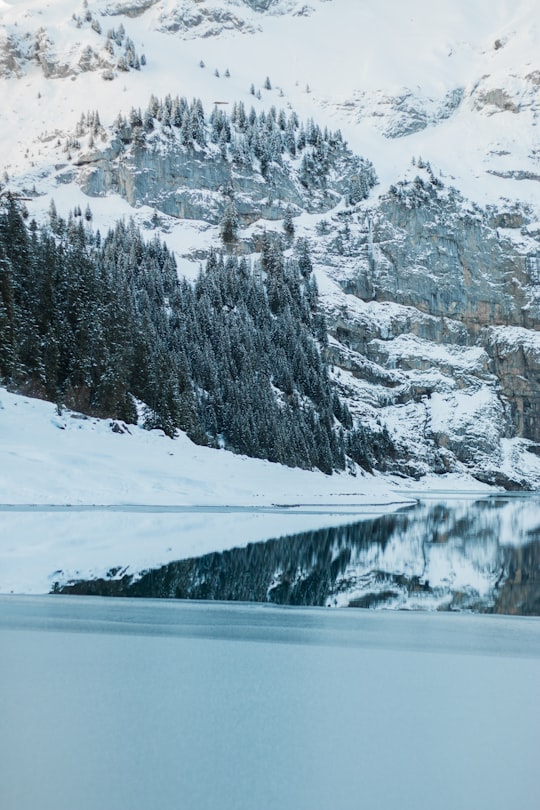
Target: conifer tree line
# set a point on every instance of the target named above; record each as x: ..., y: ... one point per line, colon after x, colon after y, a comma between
x: 104, y: 324
x: 247, y: 138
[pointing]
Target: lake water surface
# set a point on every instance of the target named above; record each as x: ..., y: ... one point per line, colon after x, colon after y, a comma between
x: 448, y: 553
x: 141, y: 704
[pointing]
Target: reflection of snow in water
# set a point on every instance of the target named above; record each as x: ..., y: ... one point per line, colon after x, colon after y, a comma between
x: 441, y: 554
x: 46, y: 544
x: 458, y: 549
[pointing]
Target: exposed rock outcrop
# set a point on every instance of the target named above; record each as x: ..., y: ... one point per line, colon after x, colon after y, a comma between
x: 192, y: 182
x: 202, y: 19
x: 515, y: 355
x: 427, y: 251
x: 439, y: 328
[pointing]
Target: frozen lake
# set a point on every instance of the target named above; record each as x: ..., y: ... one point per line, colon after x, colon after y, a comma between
x: 128, y: 704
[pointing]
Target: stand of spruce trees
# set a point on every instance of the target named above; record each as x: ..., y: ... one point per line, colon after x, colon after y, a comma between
x: 267, y: 142
x: 234, y: 359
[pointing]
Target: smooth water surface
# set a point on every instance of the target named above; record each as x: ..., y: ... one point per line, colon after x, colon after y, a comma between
x: 128, y: 704
x: 460, y: 553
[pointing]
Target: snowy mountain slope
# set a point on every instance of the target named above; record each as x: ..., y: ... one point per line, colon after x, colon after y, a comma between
x: 468, y: 73
x: 453, y: 88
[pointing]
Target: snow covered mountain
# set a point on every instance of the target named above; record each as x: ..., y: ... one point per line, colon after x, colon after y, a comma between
x: 429, y: 283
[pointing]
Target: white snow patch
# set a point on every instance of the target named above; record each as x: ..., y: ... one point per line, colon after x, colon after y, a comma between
x: 52, y: 458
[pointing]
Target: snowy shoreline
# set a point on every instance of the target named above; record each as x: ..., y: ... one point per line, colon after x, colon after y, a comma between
x: 78, y: 499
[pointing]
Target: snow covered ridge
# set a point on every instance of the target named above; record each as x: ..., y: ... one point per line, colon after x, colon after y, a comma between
x: 207, y: 19
x: 430, y: 79
x: 409, y: 111
x: 64, y: 41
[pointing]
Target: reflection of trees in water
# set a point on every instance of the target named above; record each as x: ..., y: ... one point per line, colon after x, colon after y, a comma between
x: 447, y: 553
x: 519, y: 591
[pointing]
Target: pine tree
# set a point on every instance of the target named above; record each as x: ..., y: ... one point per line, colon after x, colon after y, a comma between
x: 7, y: 315
x: 288, y: 224
x: 228, y: 227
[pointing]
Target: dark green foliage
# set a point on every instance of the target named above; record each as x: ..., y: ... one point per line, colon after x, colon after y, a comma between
x: 263, y: 386
x: 288, y: 223
x: 234, y: 359
x: 229, y: 224
x: 370, y: 449
x: 7, y: 354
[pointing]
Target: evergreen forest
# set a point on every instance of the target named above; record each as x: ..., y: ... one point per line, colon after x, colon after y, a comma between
x: 236, y: 358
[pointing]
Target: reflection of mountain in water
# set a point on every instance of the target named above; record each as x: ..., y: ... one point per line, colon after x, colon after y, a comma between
x: 454, y: 555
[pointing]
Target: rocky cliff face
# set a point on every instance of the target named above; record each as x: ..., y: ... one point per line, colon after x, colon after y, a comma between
x: 515, y: 356
x: 431, y: 253
x: 434, y: 312
x: 195, y: 182
x: 438, y: 326
x: 192, y: 184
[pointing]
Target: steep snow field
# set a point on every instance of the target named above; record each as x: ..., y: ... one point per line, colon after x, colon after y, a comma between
x: 460, y: 79
x: 69, y: 458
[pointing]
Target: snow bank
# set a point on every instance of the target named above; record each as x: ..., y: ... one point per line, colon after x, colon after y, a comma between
x: 47, y: 458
